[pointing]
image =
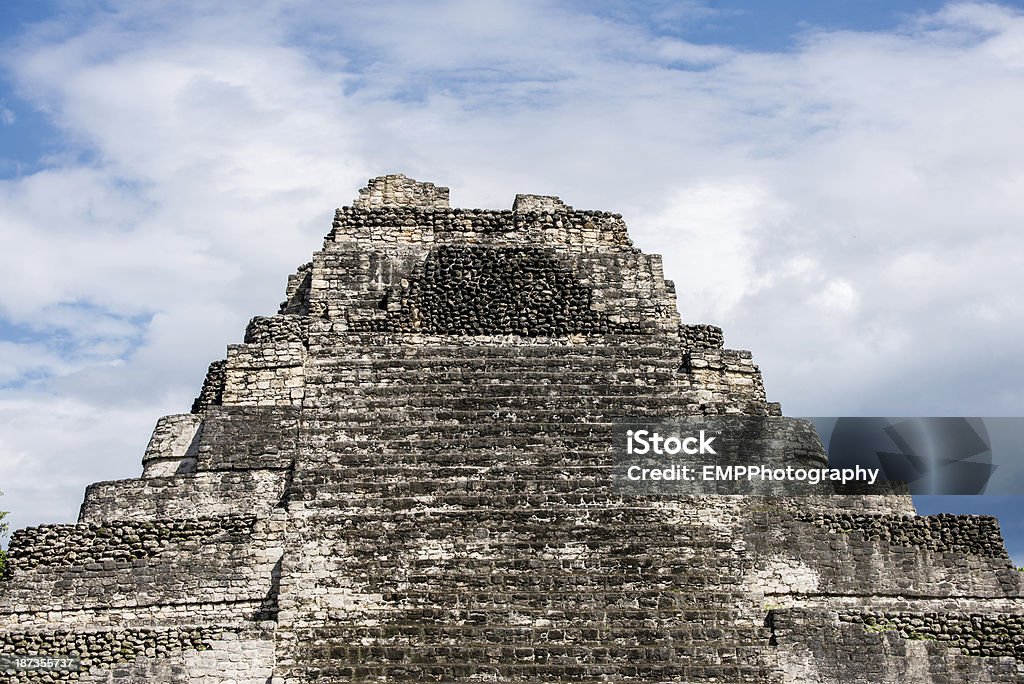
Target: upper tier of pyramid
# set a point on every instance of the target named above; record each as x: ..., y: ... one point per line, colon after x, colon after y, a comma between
x: 401, y: 267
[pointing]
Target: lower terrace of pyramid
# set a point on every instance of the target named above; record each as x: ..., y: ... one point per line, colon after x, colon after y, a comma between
x: 405, y: 475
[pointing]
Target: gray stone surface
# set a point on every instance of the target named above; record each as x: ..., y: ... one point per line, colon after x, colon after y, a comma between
x: 406, y: 476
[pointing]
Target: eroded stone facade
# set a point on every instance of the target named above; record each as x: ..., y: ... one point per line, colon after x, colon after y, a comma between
x: 405, y: 476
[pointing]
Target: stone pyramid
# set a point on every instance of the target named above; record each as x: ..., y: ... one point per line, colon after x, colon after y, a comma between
x: 404, y: 476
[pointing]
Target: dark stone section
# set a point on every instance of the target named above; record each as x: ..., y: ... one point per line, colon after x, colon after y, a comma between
x: 701, y: 336
x: 96, y: 546
x: 281, y: 328
x: 297, y: 293
x: 987, y: 636
x: 485, y: 291
x: 103, y: 648
x: 963, y: 534
x: 212, y: 393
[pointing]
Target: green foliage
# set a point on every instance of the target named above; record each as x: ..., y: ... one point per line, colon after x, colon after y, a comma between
x: 880, y: 627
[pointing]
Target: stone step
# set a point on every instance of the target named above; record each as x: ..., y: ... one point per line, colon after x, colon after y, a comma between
x: 430, y: 399
x: 481, y: 500
x: 340, y: 348
x: 190, y: 496
x: 574, y: 427
x: 520, y: 575
x: 397, y: 358
x: 500, y: 478
x: 440, y: 417
x: 414, y: 475
x: 344, y: 436
x: 495, y: 478
x: 481, y: 397
x: 398, y: 467
x: 629, y: 529
x: 566, y: 542
x: 582, y: 627
x: 483, y: 363
x: 531, y: 662
x: 457, y: 451
x: 566, y: 391
x: 500, y: 377
x: 601, y: 412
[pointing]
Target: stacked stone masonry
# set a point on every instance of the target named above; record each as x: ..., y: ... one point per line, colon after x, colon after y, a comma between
x: 212, y: 392
x: 701, y: 336
x: 972, y: 535
x: 106, y: 650
x: 405, y: 475
x: 94, y: 544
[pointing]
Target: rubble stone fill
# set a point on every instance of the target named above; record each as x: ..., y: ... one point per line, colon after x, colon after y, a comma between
x: 405, y: 475
x: 483, y: 291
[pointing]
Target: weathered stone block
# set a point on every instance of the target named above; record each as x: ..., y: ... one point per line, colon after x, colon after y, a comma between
x: 173, y: 448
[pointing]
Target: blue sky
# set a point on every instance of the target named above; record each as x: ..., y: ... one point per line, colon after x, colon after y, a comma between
x: 835, y: 183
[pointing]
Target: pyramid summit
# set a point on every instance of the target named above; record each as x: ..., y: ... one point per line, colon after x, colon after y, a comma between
x: 407, y: 474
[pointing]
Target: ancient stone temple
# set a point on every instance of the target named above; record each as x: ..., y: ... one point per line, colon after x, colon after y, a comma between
x: 404, y: 475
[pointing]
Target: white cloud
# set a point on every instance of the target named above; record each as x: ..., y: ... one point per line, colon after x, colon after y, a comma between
x: 705, y: 231
x: 848, y: 209
x: 838, y: 295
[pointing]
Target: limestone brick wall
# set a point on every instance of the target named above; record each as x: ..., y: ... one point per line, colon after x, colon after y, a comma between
x: 400, y: 190
x: 264, y: 374
x: 883, y: 555
x: 198, y: 495
x: 728, y: 382
x: 543, y: 291
x: 524, y: 204
x: 820, y: 646
x: 249, y: 438
x: 570, y: 231
x: 173, y: 446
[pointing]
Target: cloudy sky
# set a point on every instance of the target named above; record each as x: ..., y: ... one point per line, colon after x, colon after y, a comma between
x: 839, y: 185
